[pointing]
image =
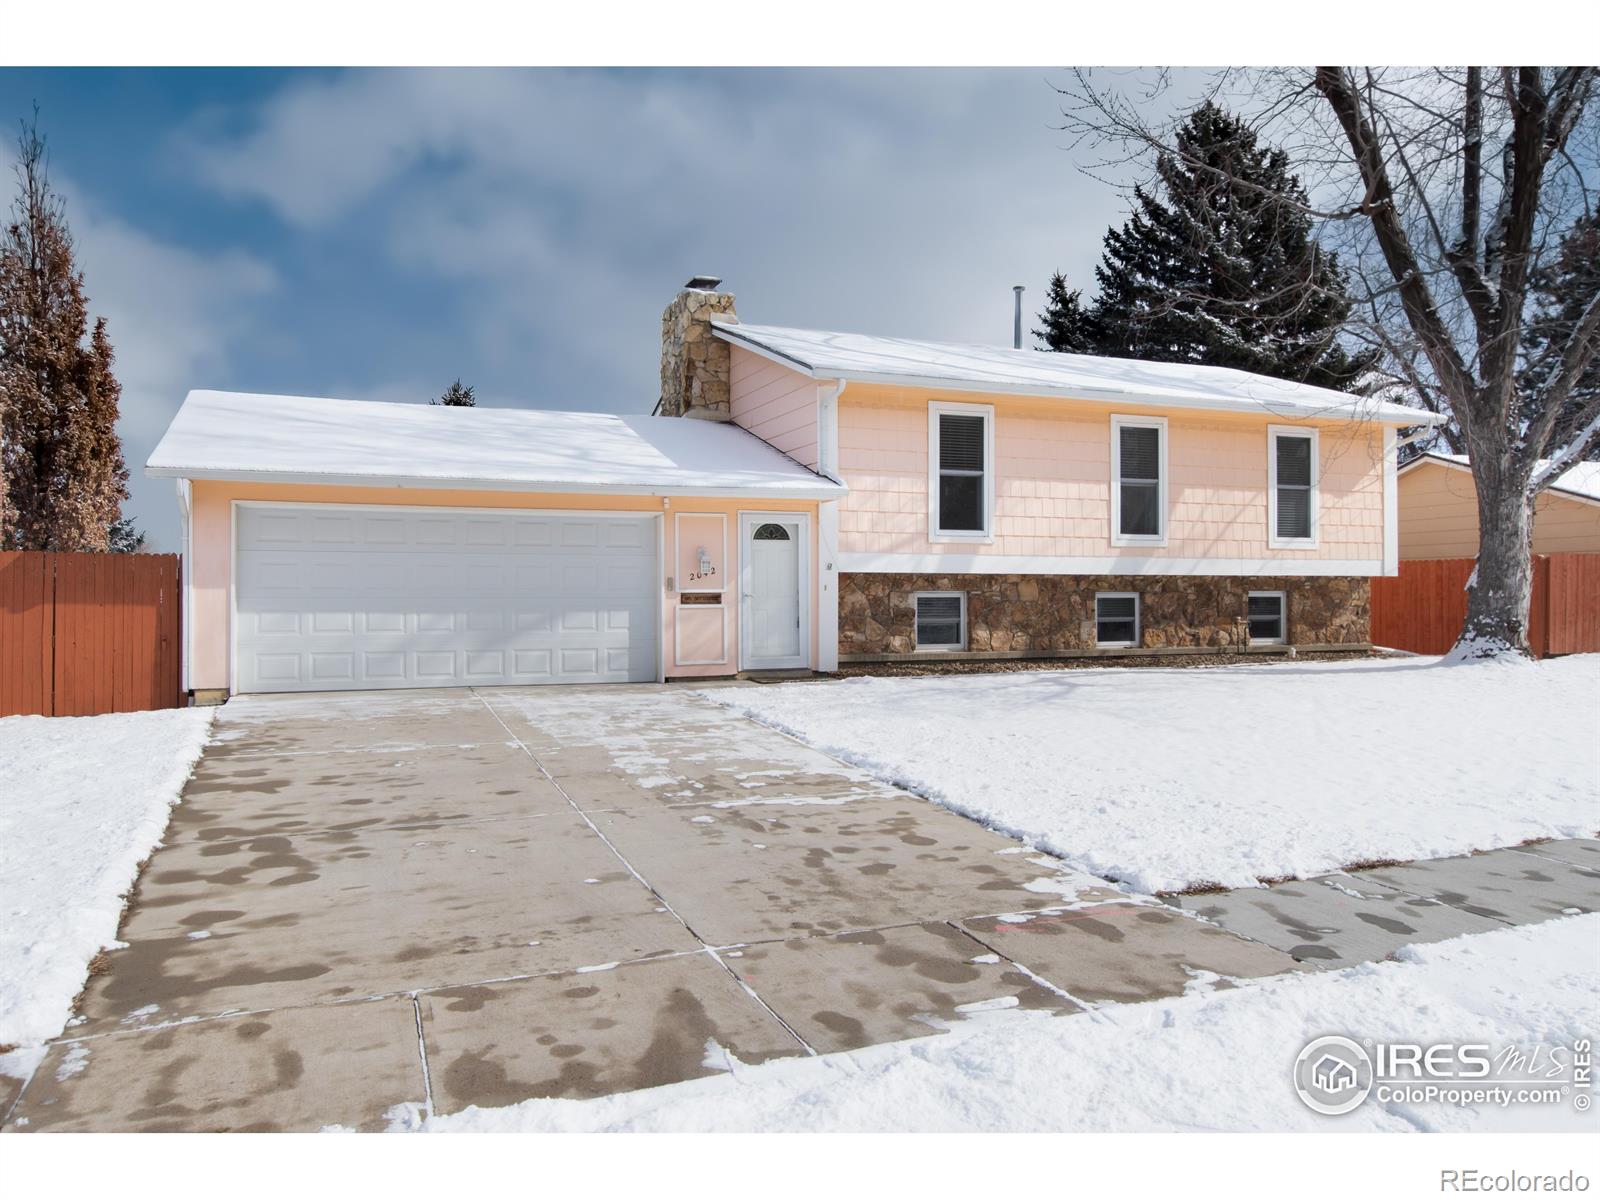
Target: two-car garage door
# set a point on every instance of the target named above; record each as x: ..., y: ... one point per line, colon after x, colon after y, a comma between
x: 339, y: 597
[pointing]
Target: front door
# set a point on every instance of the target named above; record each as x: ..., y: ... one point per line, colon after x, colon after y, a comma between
x: 775, y: 570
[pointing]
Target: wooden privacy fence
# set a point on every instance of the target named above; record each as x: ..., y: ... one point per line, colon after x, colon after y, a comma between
x: 83, y: 634
x: 1423, y: 607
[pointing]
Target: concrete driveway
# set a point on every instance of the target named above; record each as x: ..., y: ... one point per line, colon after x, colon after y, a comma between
x: 375, y: 905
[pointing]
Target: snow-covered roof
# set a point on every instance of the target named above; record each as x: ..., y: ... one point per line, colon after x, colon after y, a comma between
x: 235, y: 435
x: 1125, y: 381
x: 1581, y: 479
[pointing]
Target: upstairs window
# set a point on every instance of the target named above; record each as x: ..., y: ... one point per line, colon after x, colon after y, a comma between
x: 1266, y: 615
x: 961, y: 474
x: 941, y: 620
x: 1138, y: 481
x: 1292, y: 488
x: 1116, y: 619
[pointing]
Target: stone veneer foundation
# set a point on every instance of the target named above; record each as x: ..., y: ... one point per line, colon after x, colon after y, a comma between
x: 1054, y: 614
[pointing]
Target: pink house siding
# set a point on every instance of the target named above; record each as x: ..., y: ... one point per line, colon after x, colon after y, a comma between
x: 776, y: 404
x: 1053, y: 482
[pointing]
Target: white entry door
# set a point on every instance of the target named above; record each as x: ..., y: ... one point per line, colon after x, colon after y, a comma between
x: 774, y: 617
x: 338, y: 597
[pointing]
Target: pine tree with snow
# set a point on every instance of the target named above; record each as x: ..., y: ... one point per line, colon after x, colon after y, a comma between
x: 1067, y: 324
x: 60, y: 457
x: 1560, y: 292
x: 1218, y: 265
x: 456, y: 396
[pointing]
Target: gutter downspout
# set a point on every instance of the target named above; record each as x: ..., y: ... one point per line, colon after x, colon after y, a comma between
x: 827, y: 653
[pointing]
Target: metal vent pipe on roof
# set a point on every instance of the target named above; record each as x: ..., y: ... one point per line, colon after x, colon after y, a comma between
x: 1016, y: 319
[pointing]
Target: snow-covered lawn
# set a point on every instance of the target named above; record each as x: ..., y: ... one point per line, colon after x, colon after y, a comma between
x: 1212, y: 1060
x: 82, y: 802
x: 1166, y: 778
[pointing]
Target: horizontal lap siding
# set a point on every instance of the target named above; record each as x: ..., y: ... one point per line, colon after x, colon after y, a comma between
x: 776, y: 404
x: 1439, y: 517
x: 84, y: 634
x: 1053, y: 482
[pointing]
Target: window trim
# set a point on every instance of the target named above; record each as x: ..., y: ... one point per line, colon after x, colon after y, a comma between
x: 1274, y: 432
x: 916, y: 645
x: 1118, y: 423
x: 1138, y: 620
x: 1283, y: 619
x: 986, y: 411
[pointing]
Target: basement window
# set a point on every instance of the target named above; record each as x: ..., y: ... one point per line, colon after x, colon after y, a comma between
x: 1116, y: 619
x: 941, y: 620
x: 1267, y: 613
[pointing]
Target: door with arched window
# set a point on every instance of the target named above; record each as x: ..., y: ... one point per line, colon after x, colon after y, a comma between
x: 774, y: 611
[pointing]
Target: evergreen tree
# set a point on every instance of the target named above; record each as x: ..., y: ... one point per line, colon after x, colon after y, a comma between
x: 60, y: 457
x: 1560, y: 291
x: 456, y: 396
x: 125, y: 538
x: 1218, y: 267
x: 1068, y: 325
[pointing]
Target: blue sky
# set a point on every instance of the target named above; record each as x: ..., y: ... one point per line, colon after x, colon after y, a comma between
x: 374, y: 234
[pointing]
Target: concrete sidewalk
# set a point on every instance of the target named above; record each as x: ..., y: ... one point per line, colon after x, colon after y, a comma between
x: 374, y: 905
x: 1345, y: 918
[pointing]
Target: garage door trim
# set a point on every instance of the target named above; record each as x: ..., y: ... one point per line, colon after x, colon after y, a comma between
x: 655, y: 519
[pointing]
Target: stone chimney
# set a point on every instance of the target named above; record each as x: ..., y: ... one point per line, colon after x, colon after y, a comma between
x: 696, y: 366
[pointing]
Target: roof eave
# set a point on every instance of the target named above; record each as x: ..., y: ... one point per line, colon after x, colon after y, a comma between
x: 1389, y: 415
x: 1437, y: 460
x: 821, y: 490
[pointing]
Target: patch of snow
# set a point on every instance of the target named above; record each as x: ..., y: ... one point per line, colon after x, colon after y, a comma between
x: 1218, y: 1060
x: 199, y: 935
x: 1166, y: 778
x: 994, y: 1004
x: 610, y: 966
x: 234, y: 433
x: 73, y: 1062
x: 86, y: 800
x: 1002, y: 369
x: 985, y: 958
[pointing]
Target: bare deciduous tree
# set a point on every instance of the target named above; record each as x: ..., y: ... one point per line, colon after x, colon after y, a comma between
x: 1449, y: 192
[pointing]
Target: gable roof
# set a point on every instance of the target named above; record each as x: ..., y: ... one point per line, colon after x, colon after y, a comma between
x: 304, y: 439
x: 1125, y: 381
x: 1581, y: 481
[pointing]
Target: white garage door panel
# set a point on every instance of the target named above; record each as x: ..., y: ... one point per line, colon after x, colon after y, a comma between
x: 330, y: 600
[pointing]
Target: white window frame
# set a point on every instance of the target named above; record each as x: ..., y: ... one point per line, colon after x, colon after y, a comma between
x: 1283, y: 619
x: 917, y: 645
x: 986, y: 411
x: 1274, y: 432
x: 1138, y: 620
x: 1118, y: 538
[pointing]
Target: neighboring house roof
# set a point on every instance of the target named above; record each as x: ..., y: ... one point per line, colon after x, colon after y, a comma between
x: 855, y: 356
x: 1581, y: 481
x: 234, y: 435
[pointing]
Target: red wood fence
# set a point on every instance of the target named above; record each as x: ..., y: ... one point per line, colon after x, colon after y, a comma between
x: 82, y: 634
x: 1423, y: 607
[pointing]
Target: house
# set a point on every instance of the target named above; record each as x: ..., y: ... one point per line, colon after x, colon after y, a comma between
x: 1439, y: 510
x: 1333, y: 1075
x: 800, y: 498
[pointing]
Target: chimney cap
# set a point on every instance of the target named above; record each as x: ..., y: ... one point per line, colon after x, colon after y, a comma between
x: 703, y: 283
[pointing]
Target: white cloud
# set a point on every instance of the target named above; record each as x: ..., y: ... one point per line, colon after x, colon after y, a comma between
x: 567, y: 206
